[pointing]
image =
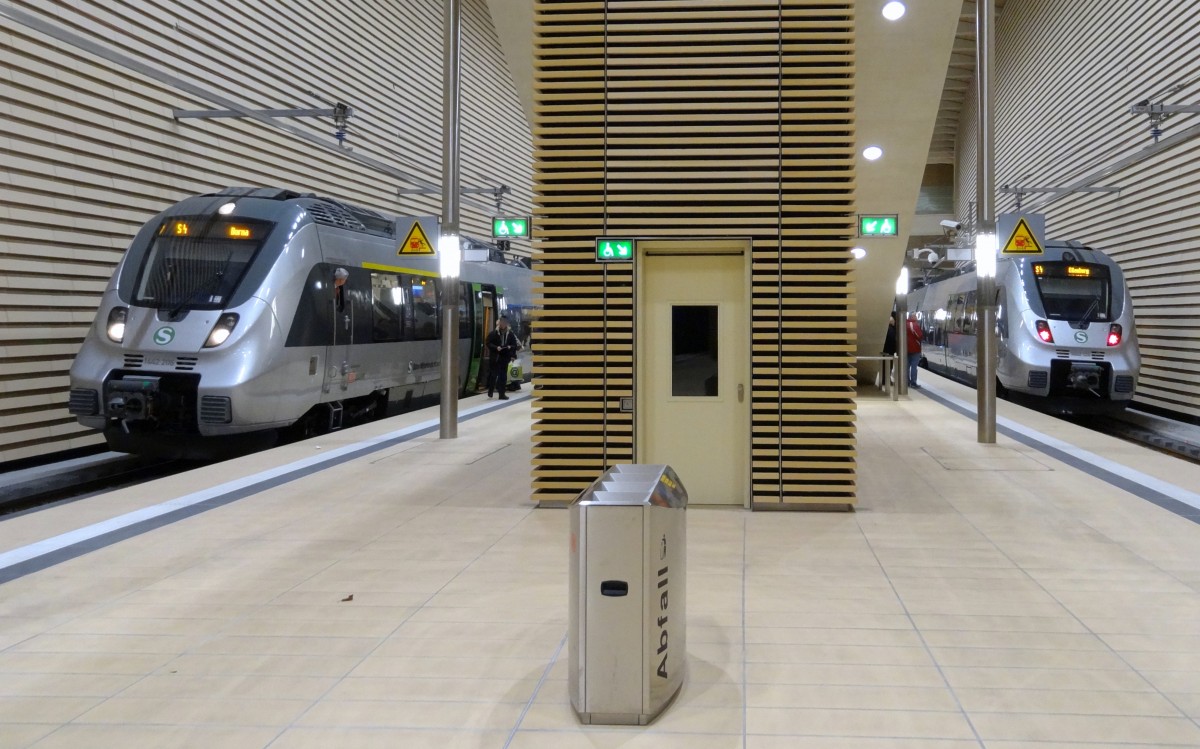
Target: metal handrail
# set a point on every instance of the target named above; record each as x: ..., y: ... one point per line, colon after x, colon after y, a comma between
x: 888, y: 366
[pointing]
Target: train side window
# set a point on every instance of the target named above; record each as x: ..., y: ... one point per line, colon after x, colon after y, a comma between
x: 464, y: 310
x: 387, y: 307
x: 1001, y: 317
x: 424, y: 300
x: 956, y: 313
x: 969, y: 320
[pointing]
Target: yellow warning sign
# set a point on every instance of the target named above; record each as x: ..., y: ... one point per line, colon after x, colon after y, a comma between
x: 416, y: 243
x: 1021, y: 241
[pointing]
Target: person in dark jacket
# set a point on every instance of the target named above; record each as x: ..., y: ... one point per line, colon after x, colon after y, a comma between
x: 502, y: 346
x: 889, y: 338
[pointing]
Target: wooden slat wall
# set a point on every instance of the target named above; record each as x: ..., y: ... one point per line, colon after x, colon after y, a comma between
x: 1066, y: 82
x: 692, y: 118
x: 89, y: 149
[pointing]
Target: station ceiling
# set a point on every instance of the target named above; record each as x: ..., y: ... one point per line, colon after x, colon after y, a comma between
x: 913, y: 75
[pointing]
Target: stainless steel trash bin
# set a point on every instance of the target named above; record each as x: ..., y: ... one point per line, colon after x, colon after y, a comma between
x: 628, y: 580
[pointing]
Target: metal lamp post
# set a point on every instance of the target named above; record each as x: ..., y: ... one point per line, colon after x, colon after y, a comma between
x: 449, y: 250
x: 985, y: 235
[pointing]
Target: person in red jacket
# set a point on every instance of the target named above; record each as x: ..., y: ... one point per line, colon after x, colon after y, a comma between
x: 914, y: 337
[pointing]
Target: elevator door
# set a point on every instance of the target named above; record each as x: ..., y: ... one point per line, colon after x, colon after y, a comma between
x: 693, y: 405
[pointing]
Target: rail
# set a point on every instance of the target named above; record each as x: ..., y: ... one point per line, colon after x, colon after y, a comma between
x: 886, y: 367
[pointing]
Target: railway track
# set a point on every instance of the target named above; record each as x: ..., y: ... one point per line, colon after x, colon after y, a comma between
x: 72, y: 480
x: 1164, y: 435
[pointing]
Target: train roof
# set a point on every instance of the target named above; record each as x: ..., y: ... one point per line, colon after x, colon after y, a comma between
x: 339, y: 214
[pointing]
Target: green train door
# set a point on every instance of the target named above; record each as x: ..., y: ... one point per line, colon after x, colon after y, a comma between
x: 483, y: 321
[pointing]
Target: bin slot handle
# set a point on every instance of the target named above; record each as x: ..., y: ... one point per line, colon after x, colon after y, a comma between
x: 614, y: 588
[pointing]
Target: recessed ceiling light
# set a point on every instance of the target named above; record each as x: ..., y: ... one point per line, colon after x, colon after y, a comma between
x: 870, y: 153
x: 858, y: 253
x: 893, y: 10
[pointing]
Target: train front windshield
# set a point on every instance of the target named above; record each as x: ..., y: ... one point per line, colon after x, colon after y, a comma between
x: 1074, y: 291
x: 197, y: 262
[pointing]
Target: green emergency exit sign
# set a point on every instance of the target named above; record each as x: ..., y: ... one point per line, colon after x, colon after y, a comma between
x: 878, y: 226
x: 611, y: 248
x: 510, y: 228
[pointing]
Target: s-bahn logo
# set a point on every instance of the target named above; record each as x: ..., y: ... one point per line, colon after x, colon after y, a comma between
x: 1081, y: 336
x: 164, y: 335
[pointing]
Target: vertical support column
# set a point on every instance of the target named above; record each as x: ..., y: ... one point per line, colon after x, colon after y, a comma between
x: 985, y: 233
x: 901, y: 373
x: 448, y: 244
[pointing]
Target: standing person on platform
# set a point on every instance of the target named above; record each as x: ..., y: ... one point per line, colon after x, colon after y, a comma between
x: 889, y: 349
x: 502, y: 346
x: 915, y: 336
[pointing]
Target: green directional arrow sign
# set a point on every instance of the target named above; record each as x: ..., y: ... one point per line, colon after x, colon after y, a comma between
x: 878, y: 226
x: 510, y: 228
x: 611, y: 248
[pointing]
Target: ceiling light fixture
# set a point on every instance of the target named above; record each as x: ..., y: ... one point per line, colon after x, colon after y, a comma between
x: 870, y: 153
x: 893, y: 10
x: 858, y: 253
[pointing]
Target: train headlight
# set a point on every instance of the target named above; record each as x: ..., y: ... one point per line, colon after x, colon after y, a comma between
x: 116, y: 324
x: 1043, y: 331
x: 221, y: 331
x: 1114, y: 335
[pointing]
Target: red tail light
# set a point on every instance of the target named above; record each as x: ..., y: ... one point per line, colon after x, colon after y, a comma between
x: 1043, y: 331
x: 1114, y: 335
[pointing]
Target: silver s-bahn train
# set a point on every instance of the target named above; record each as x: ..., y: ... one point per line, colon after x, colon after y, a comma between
x: 235, y: 315
x: 1065, y: 328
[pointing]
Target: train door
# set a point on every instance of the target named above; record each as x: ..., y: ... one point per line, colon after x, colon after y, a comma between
x: 484, y: 321
x: 338, y: 368
x: 692, y: 365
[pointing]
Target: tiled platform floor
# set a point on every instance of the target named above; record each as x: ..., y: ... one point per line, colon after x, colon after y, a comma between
x: 982, y: 596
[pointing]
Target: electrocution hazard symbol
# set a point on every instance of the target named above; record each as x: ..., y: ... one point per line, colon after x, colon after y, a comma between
x: 416, y: 243
x: 1022, y: 241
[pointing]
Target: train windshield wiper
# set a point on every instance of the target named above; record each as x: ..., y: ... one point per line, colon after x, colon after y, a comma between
x: 209, y: 287
x: 1091, y: 310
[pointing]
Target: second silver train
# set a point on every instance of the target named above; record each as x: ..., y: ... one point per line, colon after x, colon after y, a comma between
x: 1065, y: 328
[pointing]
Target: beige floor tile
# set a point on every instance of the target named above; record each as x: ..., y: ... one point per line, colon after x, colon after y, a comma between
x: 827, y: 636
x: 22, y: 735
x: 63, y: 685
x: 825, y: 620
x: 1002, y: 623
x: 80, y: 663
x: 677, y: 718
x: 90, y: 643
x: 479, y: 716
x: 240, y: 686
x: 1066, y: 701
x: 1026, y: 658
x: 206, y: 712
x: 855, y: 742
x: 95, y: 736
x: 839, y: 654
x: 874, y: 723
x: 447, y: 647
x: 316, y: 737
x: 830, y: 697
x: 843, y: 674
x: 473, y: 668
x: 1095, y: 728
x: 287, y: 645
x: 606, y: 737
x: 1122, y: 680
x: 44, y: 709
x: 940, y: 639
x: 444, y: 689
x: 264, y: 665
